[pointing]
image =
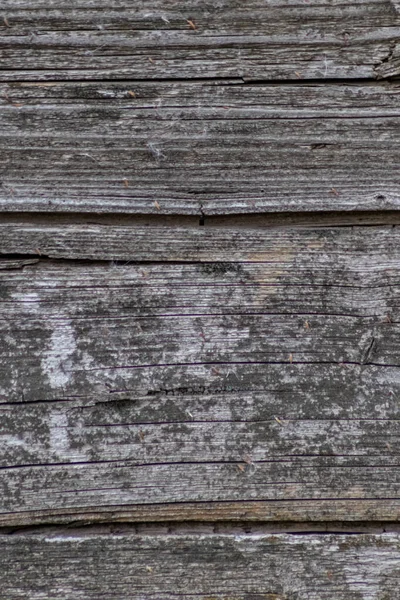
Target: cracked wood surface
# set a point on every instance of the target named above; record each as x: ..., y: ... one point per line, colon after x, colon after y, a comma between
x: 126, y: 385
x: 44, y: 40
x: 362, y: 251
x: 210, y: 379
x: 208, y: 567
x: 200, y: 148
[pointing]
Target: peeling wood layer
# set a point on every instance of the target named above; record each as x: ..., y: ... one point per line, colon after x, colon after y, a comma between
x: 204, y: 148
x: 221, y: 567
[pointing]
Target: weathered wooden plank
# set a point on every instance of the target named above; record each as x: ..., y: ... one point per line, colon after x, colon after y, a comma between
x: 185, y: 439
x: 289, y: 248
x: 283, y: 513
x: 198, y: 148
x: 234, y: 567
x: 229, y: 99
x: 200, y: 382
x: 281, y: 40
x: 305, y: 296
x: 127, y: 451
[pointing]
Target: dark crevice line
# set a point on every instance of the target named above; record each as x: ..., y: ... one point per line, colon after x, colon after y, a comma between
x: 220, y: 529
x: 214, y: 119
x: 259, y: 221
x: 245, y: 363
x: 372, y: 318
x: 224, y: 80
x: 197, y: 421
x: 67, y: 400
x: 288, y: 459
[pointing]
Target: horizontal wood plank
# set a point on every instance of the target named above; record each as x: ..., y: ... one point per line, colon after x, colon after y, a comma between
x: 313, y: 513
x: 273, y: 379
x: 280, y: 40
x: 198, y: 148
x: 234, y: 567
x: 121, y: 245
x: 106, y: 457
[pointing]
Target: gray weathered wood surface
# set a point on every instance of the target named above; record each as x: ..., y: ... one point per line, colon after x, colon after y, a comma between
x: 360, y: 250
x: 197, y: 348
x: 220, y: 567
x: 254, y: 40
x: 198, y: 148
x: 272, y: 378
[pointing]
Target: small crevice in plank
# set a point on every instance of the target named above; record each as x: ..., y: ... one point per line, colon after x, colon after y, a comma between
x: 242, y: 528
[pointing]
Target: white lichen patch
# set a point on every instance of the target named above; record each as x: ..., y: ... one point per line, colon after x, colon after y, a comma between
x: 57, y: 357
x: 29, y: 300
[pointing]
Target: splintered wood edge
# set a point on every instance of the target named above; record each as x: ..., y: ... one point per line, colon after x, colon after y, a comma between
x: 213, y: 512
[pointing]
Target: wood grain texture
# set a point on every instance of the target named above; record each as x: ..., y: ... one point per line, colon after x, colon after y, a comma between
x: 131, y: 384
x: 120, y: 458
x: 223, y: 567
x: 198, y: 148
x: 322, y: 515
x: 255, y: 40
x: 121, y: 245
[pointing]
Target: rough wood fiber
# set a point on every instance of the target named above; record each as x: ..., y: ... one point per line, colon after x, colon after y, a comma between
x: 254, y: 40
x: 221, y: 567
x: 277, y: 513
x: 123, y: 245
x: 271, y: 379
x: 118, y: 458
x: 208, y: 375
x: 198, y: 148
